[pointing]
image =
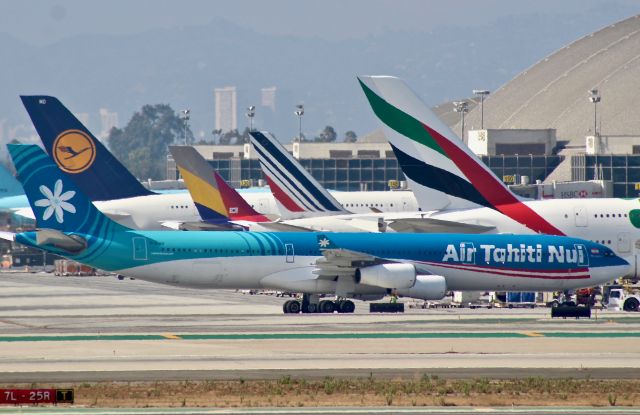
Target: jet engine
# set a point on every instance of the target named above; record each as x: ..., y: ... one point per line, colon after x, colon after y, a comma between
x: 426, y: 287
x: 387, y: 275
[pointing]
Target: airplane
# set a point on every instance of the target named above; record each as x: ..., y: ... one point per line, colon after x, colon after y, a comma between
x: 117, y: 192
x: 9, y: 186
x: 299, y: 195
x: 221, y: 206
x: 303, y: 199
x: 453, y: 184
x: 348, y: 265
x: 11, y: 193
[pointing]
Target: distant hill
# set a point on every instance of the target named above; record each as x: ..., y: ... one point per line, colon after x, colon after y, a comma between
x: 182, y: 66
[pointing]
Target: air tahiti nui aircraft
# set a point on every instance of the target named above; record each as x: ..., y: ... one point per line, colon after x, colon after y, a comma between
x: 348, y: 265
x: 454, y: 185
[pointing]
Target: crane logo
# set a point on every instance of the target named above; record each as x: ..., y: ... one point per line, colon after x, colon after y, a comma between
x: 74, y: 151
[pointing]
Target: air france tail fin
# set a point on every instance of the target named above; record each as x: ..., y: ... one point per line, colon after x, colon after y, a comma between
x: 298, y: 194
x: 9, y: 185
x: 435, y: 161
x: 78, y: 153
x: 201, y: 183
x: 57, y: 203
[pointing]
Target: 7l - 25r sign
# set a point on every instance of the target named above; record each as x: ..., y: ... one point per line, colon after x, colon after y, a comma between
x: 35, y: 396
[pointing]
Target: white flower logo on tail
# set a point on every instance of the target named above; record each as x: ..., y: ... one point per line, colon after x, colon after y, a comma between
x: 56, y: 202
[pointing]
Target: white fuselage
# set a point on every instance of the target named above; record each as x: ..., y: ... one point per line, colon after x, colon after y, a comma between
x: 297, y: 275
x: 150, y: 212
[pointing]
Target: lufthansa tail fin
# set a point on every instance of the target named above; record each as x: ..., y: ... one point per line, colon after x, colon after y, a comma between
x: 57, y: 202
x: 9, y: 185
x: 79, y: 153
x: 297, y: 192
x: 435, y: 161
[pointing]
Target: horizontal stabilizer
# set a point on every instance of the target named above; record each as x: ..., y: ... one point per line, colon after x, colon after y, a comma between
x: 431, y: 225
x: 117, y: 214
x: 210, y: 226
x: 283, y: 227
x: 72, y: 244
x: 25, y: 213
x: 7, y: 236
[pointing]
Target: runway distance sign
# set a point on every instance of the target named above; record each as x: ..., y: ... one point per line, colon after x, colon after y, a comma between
x: 35, y: 396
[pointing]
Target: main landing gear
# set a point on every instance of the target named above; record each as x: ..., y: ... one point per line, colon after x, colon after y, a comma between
x: 311, y: 304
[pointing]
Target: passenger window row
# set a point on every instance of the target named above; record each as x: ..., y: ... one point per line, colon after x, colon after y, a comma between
x: 612, y: 215
x: 366, y: 205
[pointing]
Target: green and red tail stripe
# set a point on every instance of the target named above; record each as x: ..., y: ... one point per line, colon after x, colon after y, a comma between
x: 477, y: 184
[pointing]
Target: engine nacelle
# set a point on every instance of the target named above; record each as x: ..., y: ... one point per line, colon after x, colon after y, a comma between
x: 427, y: 287
x: 387, y: 275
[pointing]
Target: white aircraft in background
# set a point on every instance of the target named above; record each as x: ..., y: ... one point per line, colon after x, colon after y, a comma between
x: 454, y: 185
x: 222, y: 208
x: 119, y: 195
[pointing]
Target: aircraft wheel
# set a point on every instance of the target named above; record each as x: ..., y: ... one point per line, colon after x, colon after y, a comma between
x: 294, y: 307
x: 291, y: 307
x: 346, y: 306
x: 631, y: 304
x: 327, y: 306
x: 285, y: 306
x: 312, y: 308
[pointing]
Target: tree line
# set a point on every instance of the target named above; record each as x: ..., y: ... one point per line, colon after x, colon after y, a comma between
x: 142, y: 144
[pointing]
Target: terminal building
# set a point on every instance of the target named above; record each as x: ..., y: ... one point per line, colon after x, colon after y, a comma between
x: 368, y: 164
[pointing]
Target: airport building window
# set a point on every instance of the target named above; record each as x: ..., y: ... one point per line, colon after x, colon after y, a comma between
x: 358, y: 172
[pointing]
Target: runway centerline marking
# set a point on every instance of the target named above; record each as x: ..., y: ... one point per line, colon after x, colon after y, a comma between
x: 532, y: 334
x: 316, y: 336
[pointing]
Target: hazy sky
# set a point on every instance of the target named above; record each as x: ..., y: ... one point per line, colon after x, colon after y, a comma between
x: 45, y: 21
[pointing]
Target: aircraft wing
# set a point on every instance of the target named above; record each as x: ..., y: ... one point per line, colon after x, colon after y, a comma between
x: 431, y: 225
x: 342, y: 262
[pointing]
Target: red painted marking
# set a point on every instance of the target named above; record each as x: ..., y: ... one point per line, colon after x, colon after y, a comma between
x: 238, y: 208
x: 282, y: 197
x: 513, y: 273
x: 492, y: 190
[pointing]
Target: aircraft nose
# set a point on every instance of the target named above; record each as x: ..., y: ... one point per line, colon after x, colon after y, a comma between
x: 617, y: 267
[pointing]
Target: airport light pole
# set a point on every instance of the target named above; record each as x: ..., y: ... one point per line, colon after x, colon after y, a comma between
x: 184, y: 116
x: 251, y: 112
x: 482, y: 94
x: 595, y: 98
x: 299, y: 112
x: 462, y: 107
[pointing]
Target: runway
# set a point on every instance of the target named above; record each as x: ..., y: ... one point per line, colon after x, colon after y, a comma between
x: 75, y: 329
